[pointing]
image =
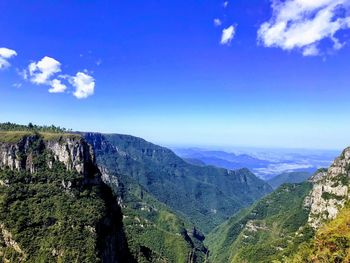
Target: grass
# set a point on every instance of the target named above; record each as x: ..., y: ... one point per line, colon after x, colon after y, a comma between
x: 275, y: 218
x: 47, y: 136
x: 331, y: 243
x: 13, y: 136
x: 16, y: 136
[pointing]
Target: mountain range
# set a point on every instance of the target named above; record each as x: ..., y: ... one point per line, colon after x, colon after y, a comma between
x: 265, y: 163
x: 91, y: 197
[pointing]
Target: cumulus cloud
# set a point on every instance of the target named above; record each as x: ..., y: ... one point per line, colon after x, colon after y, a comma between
x: 227, y: 35
x: 217, y: 22
x: 5, y: 55
x: 225, y: 4
x: 57, y: 86
x: 311, y: 50
x: 302, y: 24
x: 84, y: 85
x: 47, y: 71
x: 40, y: 72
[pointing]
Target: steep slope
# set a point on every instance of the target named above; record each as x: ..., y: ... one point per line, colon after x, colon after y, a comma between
x: 329, y: 215
x: 54, y: 206
x: 265, y: 231
x: 330, y: 191
x: 205, y: 195
x: 154, y: 232
x: 292, y: 178
x: 331, y: 242
x: 305, y: 222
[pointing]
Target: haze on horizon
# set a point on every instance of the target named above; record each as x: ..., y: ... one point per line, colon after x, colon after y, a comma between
x: 213, y: 73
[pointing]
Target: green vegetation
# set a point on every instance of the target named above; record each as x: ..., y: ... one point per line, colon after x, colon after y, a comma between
x: 42, y: 217
x: 342, y: 179
x: 328, y: 196
x: 13, y: 136
x: 290, y: 178
x: 154, y: 232
x: 8, y: 126
x: 17, y: 136
x: 331, y: 242
x: 269, y: 230
x: 52, y: 214
x: 205, y: 195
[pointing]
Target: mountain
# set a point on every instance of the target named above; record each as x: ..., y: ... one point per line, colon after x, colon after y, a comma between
x: 265, y: 231
x: 205, y: 195
x: 305, y: 222
x: 154, y: 232
x: 54, y: 206
x: 222, y: 159
x: 292, y: 177
x: 194, y: 161
x: 265, y: 163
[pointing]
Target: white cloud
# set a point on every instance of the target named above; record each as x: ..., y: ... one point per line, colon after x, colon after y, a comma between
x: 45, y: 72
x: 217, y: 22
x: 6, y: 54
x: 17, y: 85
x: 311, y: 50
x: 40, y: 72
x: 57, y: 86
x: 302, y: 24
x: 225, y: 4
x: 84, y: 85
x: 227, y: 35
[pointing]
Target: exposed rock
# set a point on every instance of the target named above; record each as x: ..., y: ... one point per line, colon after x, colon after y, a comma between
x: 76, y: 154
x: 10, y: 242
x: 253, y: 226
x: 73, y: 152
x: 330, y: 191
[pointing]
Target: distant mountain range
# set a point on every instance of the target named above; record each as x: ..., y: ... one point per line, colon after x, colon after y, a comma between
x: 292, y: 177
x: 265, y: 163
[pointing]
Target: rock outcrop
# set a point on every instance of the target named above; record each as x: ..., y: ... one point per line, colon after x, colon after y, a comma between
x: 76, y: 155
x: 73, y: 151
x: 330, y: 190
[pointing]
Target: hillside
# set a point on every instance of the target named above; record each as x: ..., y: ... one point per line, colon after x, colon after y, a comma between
x: 206, y: 196
x: 264, y: 232
x: 154, y: 232
x: 305, y: 222
x: 331, y: 242
x: 292, y: 177
x: 54, y: 206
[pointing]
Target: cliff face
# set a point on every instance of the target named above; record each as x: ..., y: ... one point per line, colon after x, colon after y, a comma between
x: 73, y: 151
x: 33, y: 153
x: 330, y: 191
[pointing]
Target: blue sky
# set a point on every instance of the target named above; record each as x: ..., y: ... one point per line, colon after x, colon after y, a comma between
x: 165, y: 70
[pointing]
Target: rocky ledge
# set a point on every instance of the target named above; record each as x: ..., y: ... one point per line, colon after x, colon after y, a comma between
x: 330, y: 190
x: 72, y: 151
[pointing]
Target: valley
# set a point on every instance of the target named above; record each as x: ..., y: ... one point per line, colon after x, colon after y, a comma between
x: 96, y: 197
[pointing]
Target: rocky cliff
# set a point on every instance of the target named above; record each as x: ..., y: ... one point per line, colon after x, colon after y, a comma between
x: 71, y: 150
x: 330, y: 191
x: 65, y: 163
